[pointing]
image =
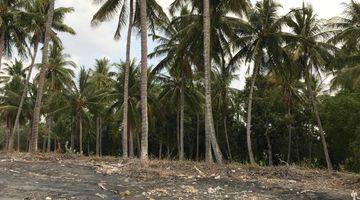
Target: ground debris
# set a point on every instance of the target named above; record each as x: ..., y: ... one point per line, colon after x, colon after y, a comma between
x: 111, y: 178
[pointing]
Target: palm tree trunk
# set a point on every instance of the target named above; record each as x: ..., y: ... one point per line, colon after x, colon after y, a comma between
x: 316, y: 112
x: 290, y: 138
x: 45, y: 60
x: 18, y: 139
x: 126, y: 83
x: 7, y: 133
x: 80, y: 135
x: 144, y: 82
x: 178, y: 132
x: 48, y: 142
x: 160, y: 150
x: 268, y: 141
x: 2, y: 45
x: 181, y: 155
x: 100, y: 136
x: 249, y: 113
x: 197, y: 135
x: 210, y: 130
x: 131, y: 141
x: 227, y: 138
x: 25, y: 91
x: 11, y: 137
x: 97, y: 151
x: 72, y: 137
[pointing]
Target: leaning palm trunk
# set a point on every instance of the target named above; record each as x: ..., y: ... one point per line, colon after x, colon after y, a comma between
x: 144, y: 81
x: 45, y: 60
x: 316, y: 112
x: 249, y: 113
x: 210, y: 129
x: 126, y: 84
x: 181, y: 154
x: 2, y: 45
x: 25, y: 91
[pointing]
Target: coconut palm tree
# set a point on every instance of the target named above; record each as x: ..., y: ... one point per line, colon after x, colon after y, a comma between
x: 144, y: 81
x: 221, y: 30
x: 101, y: 80
x: 45, y: 62
x: 346, y: 35
x: 312, y: 52
x: 259, y: 40
x: 127, y: 7
x: 34, y: 20
x: 13, y: 80
x: 11, y: 32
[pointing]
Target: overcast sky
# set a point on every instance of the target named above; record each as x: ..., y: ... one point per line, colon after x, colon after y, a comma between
x: 91, y: 43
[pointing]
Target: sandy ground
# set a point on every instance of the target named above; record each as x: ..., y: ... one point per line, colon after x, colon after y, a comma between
x: 25, y: 176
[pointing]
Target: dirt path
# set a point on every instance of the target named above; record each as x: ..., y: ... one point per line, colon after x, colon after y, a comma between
x: 73, y: 179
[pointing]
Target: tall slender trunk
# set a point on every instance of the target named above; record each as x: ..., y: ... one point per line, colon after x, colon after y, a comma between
x: 181, y: 154
x: 268, y: 141
x: 97, y: 151
x: 316, y: 112
x: 44, y: 144
x: 249, y: 113
x: 144, y: 82
x: 100, y: 136
x: 2, y: 44
x: 290, y: 137
x: 178, y: 132
x: 18, y: 139
x: 227, y: 138
x: 210, y: 130
x: 48, y: 143
x: 160, y: 150
x: 72, y: 137
x: 126, y: 83
x: 197, y: 135
x: 11, y: 136
x: 131, y: 141
x: 7, y: 133
x: 80, y: 135
x: 25, y: 90
x: 45, y: 60
x: 138, y: 143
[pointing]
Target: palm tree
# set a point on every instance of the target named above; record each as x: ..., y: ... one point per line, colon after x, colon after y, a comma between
x: 101, y: 80
x: 107, y: 10
x: 176, y: 56
x: 11, y: 32
x: 34, y: 20
x: 221, y: 27
x: 13, y: 82
x: 259, y: 40
x: 347, y: 28
x: 144, y: 81
x: 45, y: 62
x: 224, y: 76
x: 347, y: 36
x: 311, y: 52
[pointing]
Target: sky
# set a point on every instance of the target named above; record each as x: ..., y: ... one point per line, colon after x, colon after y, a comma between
x: 92, y: 43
